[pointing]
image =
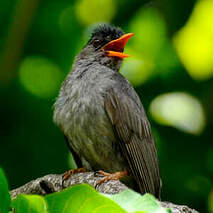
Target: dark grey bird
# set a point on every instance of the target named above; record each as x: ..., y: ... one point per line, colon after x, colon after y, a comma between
x: 101, y: 115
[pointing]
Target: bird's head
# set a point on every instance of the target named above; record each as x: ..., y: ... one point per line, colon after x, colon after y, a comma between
x: 106, y: 46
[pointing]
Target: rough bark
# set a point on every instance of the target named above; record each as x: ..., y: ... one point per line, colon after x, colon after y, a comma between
x: 53, y: 183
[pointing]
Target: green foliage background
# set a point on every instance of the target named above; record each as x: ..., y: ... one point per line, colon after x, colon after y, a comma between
x: 38, y: 42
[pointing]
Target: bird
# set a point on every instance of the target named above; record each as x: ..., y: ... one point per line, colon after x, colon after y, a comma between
x: 102, y: 116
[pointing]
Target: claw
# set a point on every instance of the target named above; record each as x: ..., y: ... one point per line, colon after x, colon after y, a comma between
x: 67, y: 174
x: 108, y: 176
x: 101, y: 173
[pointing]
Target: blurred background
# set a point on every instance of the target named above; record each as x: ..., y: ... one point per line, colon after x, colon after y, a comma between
x: 171, y: 68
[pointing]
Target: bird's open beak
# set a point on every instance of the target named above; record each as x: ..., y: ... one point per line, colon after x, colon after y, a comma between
x: 115, y: 47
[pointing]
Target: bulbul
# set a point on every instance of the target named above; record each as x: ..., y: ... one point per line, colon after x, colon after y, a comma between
x: 101, y: 115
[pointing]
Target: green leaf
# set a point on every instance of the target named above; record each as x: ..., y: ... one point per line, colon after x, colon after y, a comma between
x: 4, y: 194
x: 30, y: 204
x: 134, y: 202
x: 82, y: 199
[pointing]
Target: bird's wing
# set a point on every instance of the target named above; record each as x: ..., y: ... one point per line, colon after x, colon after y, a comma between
x: 135, y: 137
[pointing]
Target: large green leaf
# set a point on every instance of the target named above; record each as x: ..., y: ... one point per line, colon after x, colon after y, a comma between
x: 134, y: 202
x: 4, y: 194
x: 82, y: 199
x: 30, y: 204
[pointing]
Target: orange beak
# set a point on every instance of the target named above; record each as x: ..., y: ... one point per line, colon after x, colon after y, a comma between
x: 115, y: 47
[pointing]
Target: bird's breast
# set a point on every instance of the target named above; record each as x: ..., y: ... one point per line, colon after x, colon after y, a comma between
x: 84, y: 121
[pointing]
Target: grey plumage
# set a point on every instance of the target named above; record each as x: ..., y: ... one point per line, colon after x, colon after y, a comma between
x: 103, y: 118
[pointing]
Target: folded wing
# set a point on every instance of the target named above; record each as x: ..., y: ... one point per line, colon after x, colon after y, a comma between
x: 135, y: 137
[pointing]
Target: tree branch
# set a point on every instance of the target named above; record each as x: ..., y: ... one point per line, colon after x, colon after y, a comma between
x: 53, y: 183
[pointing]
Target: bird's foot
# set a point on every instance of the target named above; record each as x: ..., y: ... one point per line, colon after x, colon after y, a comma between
x: 109, y: 176
x: 67, y: 174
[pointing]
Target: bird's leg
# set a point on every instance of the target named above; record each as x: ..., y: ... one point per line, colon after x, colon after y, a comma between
x: 109, y: 176
x: 73, y: 171
x: 67, y: 174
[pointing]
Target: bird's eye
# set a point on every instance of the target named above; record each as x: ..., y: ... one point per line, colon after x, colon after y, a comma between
x: 108, y: 38
x: 96, y: 42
